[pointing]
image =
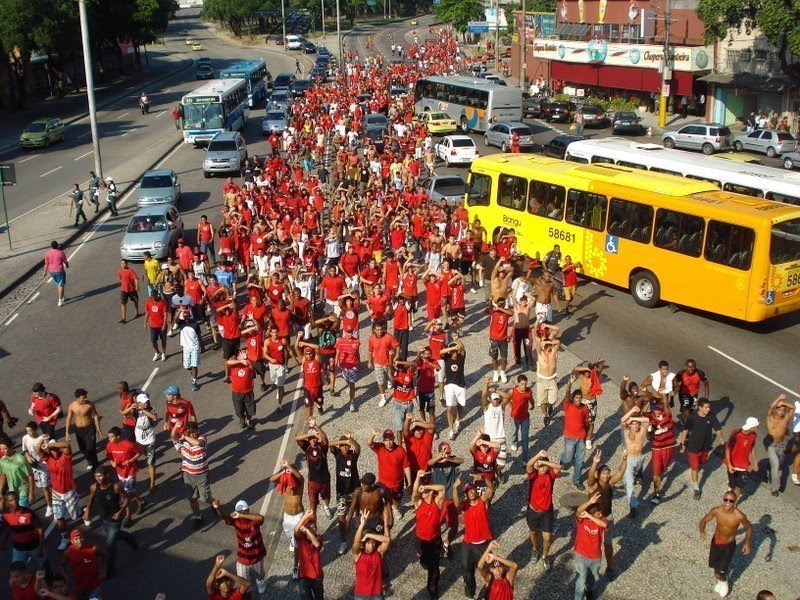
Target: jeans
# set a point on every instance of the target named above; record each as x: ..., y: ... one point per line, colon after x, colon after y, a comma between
x: 30, y: 558
x: 775, y: 453
x: 470, y: 556
x: 311, y: 589
x: 582, y: 567
x: 633, y: 471
x: 521, y: 429
x: 114, y: 533
x: 573, y: 453
x: 208, y: 249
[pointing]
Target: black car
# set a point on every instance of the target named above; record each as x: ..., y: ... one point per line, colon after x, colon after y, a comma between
x: 300, y: 87
x: 204, y: 71
x: 593, y: 116
x: 532, y: 107
x: 323, y: 51
x: 559, y: 112
x: 319, y: 74
x: 626, y: 122
x: 309, y: 47
x: 376, y: 133
x: 557, y: 147
x: 283, y: 81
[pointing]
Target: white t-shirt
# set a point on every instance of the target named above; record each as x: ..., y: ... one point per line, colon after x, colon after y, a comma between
x: 493, y: 424
x: 189, y: 338
x: 31, y: 445
x: 145, y: 431
x: 262, y: 264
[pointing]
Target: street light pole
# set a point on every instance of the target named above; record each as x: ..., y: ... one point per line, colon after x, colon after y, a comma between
x: 497, y: 36
x: 342, y: 66
x: 87, y: 65
x: 523, y: 54
x: 283, y: 22
x: 666, y: 70
x: 322, y: 4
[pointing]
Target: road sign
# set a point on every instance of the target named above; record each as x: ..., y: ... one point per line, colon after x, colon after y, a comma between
x: 8, y: 174
x: 665, y: 89
x: 478, y: 27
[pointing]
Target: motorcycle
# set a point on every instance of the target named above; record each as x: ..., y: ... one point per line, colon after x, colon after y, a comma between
x: 144, y: 105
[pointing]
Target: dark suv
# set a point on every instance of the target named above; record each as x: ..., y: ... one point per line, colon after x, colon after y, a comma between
x: 559, y: 112
x: 532, y: 107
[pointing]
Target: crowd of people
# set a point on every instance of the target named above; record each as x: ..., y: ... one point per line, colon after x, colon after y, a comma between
x: 325, y: 236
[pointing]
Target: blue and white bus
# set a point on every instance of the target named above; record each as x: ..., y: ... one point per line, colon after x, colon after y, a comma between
x: 254, y: 72
x: 218, y: 105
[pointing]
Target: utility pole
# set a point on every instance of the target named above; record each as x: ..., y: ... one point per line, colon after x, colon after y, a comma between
x: 87, y: 65
x: 322, y: 4
x: 523, y: 55
x: 283, y: 21
x: 666, y: 70
x: 497, y: 36
x: 342, y: 66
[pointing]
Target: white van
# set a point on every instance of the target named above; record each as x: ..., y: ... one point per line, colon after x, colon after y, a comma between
x: 293, y: 42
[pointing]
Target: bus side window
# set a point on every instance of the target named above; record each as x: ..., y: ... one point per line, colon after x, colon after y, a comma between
x: 587, y: 209
x: 512, y: 192
x: 666, y: 171
x: 679, y: 232
x: 730, y: 245
x: 743, y: 189
x: 631, y: 165
x: 480, y: 190
x: 602, y: 159
x: 630, y: 220
x: 778, y: 197
x: 546, y: 200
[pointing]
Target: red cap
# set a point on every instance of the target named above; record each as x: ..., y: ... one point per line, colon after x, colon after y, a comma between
x: 388, y: 434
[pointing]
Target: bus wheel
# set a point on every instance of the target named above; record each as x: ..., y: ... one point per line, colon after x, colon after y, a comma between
x: 645, y: 289
x: 464, y: 125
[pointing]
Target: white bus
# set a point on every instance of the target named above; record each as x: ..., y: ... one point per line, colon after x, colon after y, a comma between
x: 732, y: 176
x: 218, y: 105
x: 472, y: 103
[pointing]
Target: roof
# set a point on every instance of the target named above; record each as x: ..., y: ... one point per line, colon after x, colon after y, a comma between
x: 769, y: 83
x: 458, y: 137
x: 157, y: 172
x: 153, y: 210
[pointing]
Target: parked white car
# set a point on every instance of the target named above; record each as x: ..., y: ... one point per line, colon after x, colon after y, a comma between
x: 294, y: 42
x: 457, y: 150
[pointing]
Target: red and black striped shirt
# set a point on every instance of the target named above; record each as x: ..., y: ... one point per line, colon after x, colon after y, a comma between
x: 25, y: 526
x: 663, y: 431
x: 249, y: 543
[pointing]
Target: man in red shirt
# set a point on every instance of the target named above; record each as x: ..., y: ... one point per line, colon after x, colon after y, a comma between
x: 590, y: 525
x: 128, y: 288
x: 477, y: 533
x: 740, y: 454
x: 570, y: 273
x: 276, y: 354
x: 221, y: 584
x: 124, y: 455
x: 45, y: 408
x: 255, y: 311
x: 498, y: 339
x: 309, y: 547
x: 393, y: 466
x: 349, y: 262
x: 312, y: 381
x: 228, y: 320
x: 330, y: 288
x: 155, y: 313
x: 250, y: 550
x: 428, y: 504
x: 178, y: 410
x: 418, y: 440
x: 382, y: 349
x: 542, y: 474
x: 348, y: 359
x: 242, y: 376
x: 576, y: 424
x: 82, y: 556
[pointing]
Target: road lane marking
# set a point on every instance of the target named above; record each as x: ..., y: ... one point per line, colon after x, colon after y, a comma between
x: 34, y: 297
x: 122, y: 115
x: 126, y: 133
x: 29, y: 158
x: 149, y: 379
x: 52, y: 171
x: 15, y: 315
x: 83, y: 135
x: 754, y: 372
x: 284, y: 443
x: 161, y: 114
x: 85, y: 155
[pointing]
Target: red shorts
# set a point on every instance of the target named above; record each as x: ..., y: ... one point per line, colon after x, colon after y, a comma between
x: 697, y: 460
x: 662, y: 457
x: 450, y: 515
x: 312, y: 395
x: 434, y: 312
x: 317, y: 490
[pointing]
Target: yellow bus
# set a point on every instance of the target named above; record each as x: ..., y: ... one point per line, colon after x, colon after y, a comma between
x: 663, y: 237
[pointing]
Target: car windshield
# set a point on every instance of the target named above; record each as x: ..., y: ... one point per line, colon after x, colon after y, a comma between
x: 276, y: 115
x: 204, y: 67
x: 280, y: 97
x: 374, y: 133
x: 141, y: 224
x: 785, y: 242
x: 35, y: 128
x: 282, y: 80
x: 463, y: 143
x: 222, y: 146
x: 302, y: 83
x: 627, y: 116
x: 522, y: 130
x: 785, y: 137
x: 376, y: 119
x: 439, y: 116
x: 591, y: 110
x: 720, y: 131
x: 156, y: 181
x: 448, y: 182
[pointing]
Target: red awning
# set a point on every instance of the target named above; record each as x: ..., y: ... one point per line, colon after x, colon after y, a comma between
x: 622, y: 78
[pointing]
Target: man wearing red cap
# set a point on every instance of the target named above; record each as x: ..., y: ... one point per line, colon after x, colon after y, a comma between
x: 393, y: 466
x: 477, y: 533
x: 82, y: 556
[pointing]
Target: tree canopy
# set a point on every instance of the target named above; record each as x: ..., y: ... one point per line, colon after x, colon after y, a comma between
x: 779, y: 20
x: 460, y: 12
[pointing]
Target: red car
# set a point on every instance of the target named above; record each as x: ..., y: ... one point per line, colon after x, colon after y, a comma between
x: 278, y: 40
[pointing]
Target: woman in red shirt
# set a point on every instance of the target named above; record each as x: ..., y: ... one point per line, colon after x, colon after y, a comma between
x: 498, y: 574
x: 368, y: 551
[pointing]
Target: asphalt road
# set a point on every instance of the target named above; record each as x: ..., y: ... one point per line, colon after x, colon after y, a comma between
x: 81, y: 345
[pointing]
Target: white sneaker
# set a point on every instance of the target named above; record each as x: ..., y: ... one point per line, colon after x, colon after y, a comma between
x: 588, y: 444
x: 48, y: 512
x: 513, y: 447
x: 156, y: 356
x: 382, y: 402
x: 342, y: 548
x: 503, y: 377
x: 724, y: 588
x: 61, y: 302
x: 475, y: 291
x: 261, y: 585
x: 327, y: 510
x: 457, y: 427
x: 452, y: 434
x: 88, y: 467
x: 163, y: 357
x: 495, y: 377
x: 389, y: 384
x: 64, y: 544
x: 795, y: 479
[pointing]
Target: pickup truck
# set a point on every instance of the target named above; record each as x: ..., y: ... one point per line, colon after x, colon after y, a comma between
x: 445, y: 188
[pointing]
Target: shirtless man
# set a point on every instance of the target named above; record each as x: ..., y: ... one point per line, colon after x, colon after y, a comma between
x: 546, y: 369
x: 590, y: 388
x: 630, y: 395
x: 83, y: 414
x: 522, y: 331
x: 374, y: 498
x: 452, y: 250
x: 723, y: 545
x: 779, y: 418
x: 502, y: 277
x: 290, y: 483
x: 634, y: 427
x: 545, y: 291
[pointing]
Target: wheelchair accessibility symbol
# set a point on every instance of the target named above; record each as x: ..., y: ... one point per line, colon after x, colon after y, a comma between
x: 770, y: 299
x: 612, y: 244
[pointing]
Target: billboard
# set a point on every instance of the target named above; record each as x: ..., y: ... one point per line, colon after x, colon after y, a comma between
x: 536, y: 25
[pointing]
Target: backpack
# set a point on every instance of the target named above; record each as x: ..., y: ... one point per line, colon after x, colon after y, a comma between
x: 327, y: 339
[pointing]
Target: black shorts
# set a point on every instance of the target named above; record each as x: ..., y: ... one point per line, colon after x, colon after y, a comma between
x: 720, y: 556
x: 230, y: 347
x: 158, y: 333
x: 688, y: 402
x: 260, y: 367
x: 312, y: 396
x: 736, y: 479
x: 132, y: 296
x: 465, y: 266
x: 426, y: 402
x: 540, y: 520
x: 498, y: 348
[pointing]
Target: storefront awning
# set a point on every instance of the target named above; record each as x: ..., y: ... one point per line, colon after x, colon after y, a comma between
x: 621, y: 78
x: 748, y: 81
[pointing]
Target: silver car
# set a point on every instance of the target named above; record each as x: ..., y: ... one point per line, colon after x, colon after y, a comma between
x: 274, y: 121
x: 159, y: 186
x: 226, y: 153
x: 708, y: 137
x: 154, y: 229
x: 766, y: 141
x: 500, y: 134
x: 281, y: 100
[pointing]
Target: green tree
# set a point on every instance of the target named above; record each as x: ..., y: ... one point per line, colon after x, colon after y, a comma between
x: 233, y: 14
x: 17, y: 20
x: 459, y: 12
x: 779, y: 20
